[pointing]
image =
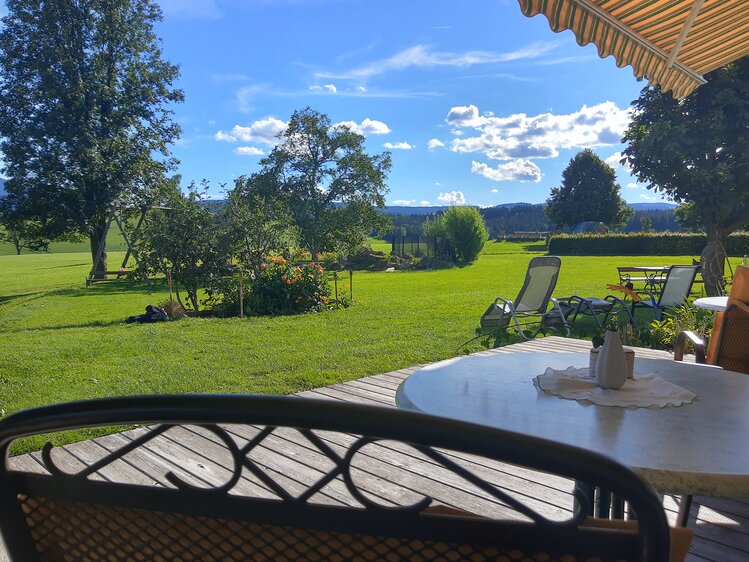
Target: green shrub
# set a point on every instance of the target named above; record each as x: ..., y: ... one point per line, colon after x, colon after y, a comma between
x: 465, y: 229
x: 641, y: 244
x: 282, y: 288
x: 662, y: 334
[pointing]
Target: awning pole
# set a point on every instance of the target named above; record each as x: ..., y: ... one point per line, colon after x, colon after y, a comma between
x: 696, y: 7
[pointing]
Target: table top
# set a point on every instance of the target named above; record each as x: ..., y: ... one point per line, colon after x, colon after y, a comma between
x: 647, y: 268
x: 712, y: 303
x: 697, y: 448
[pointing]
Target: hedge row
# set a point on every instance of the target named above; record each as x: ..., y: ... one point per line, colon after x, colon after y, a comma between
x: 641, y: 244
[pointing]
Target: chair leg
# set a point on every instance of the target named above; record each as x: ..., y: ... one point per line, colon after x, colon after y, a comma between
x: 685, y: 506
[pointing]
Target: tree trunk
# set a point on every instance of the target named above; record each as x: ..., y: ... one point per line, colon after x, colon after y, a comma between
x: 17, y: 244
x: 100, y: 265
x: 713, y: 261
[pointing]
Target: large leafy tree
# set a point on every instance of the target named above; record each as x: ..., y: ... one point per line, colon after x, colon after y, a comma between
x: 696, y: 151
x: 328, y: 183
x: 589, y: 192
x: 84, y: 117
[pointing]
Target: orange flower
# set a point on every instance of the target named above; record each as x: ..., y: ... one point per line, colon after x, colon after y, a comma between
x: 283, y: 277
x: 263, y: 266
x: 626, y: 290
x: 282, y: 261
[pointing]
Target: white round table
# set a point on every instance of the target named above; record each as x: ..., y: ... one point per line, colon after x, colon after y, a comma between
x: 697, y: 448
x: 712, y: 303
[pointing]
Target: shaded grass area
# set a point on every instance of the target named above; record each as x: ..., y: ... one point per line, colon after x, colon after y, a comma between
x: 61, y: 341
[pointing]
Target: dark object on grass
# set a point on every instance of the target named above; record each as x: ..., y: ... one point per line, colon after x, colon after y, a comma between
x: 153, y: 314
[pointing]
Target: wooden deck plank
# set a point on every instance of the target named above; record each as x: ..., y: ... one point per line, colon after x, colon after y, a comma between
x: 721, y: 524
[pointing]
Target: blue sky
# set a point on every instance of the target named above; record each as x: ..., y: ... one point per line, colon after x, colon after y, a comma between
x: 477, y: 103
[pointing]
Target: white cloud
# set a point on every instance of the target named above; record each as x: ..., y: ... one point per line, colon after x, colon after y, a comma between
x: 435, y: 143
x: 538, y: 136
x: 403, y: 202
x: 361, y: 89
x: 329, y: 87
x: 398, y: 145
x: 367, y: 127
x: 614, y: 159
x: 423, y: 56
x: 424, y: 203
x: 516, y: 170
x: 649, y: 197
x: 495, y: 190
x: 465, y: 116
x: 633, y: 185
x: 264, y: 131
x: 207, y: 9
x: 452, y: 198
x: 249, y: 151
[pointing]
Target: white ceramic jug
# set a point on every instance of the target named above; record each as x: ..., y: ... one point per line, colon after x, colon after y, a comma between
x: 611, y: 366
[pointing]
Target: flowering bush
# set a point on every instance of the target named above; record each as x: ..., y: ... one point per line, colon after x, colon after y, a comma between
x: 282, y: 288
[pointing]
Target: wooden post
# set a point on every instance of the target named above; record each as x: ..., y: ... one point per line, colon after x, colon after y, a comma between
x: 351, y: 284
x: 241, y: 294
x: 169, y: 282
x: 335, y: 284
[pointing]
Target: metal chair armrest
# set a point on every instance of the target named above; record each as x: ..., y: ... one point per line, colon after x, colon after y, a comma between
x: 505, y: 301
x: 680, y: 345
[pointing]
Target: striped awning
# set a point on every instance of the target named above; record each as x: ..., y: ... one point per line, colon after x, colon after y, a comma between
x: 671, y: 42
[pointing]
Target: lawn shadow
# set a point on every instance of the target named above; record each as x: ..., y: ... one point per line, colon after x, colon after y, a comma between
x: 93, y: 324
x: 9, y: 298
x: 63, y: 266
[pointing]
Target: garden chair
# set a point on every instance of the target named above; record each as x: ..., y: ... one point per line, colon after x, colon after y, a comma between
x: 598, y: 309
x: 728, y: 346
x: 675, y: 290
x: 254, y: 509
x: 532, y: 303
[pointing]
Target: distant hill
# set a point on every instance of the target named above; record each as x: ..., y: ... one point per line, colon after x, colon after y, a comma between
x: 653, y: 206
x: 404, y: 210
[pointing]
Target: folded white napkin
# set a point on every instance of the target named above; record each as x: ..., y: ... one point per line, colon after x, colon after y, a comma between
x: 642, y: 391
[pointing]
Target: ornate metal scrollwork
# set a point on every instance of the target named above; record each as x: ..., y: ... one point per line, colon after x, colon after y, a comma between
x: 342, y: 466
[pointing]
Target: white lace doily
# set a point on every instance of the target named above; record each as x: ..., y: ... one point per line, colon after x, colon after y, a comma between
x: 642, y: 391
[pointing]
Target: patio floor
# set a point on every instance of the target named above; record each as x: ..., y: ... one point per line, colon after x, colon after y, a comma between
x: 721, y: 525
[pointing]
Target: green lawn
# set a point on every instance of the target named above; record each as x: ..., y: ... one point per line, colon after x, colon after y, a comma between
x: 62, y: 341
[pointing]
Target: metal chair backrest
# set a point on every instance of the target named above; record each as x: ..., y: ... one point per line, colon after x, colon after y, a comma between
x: 540, y: 281
x: 729, y: 343
x: 732, y: 347
x: 244, y: 486
x: 677, y: 286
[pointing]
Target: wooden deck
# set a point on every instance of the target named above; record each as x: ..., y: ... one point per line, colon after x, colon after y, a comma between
x: 721, y: 525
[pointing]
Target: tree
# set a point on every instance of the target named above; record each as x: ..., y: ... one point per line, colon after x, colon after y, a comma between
x: 589, y: 192
x: 83, y: 94
x: 465, y: 229
x: 183, y: 239
x: 23, y: 235
x: 327, y: 182
x: 257, y: 221
x: 696, y: 150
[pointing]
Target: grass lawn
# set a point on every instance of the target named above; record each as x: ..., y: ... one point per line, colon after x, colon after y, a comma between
x: 62, y: 341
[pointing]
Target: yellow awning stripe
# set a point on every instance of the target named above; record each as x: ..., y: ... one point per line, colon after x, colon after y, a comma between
x: 642, y: 34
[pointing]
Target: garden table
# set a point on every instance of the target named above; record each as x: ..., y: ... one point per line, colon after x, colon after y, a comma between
x: 718, y: 304
x: 697, y: 448
x: 653, y: 276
